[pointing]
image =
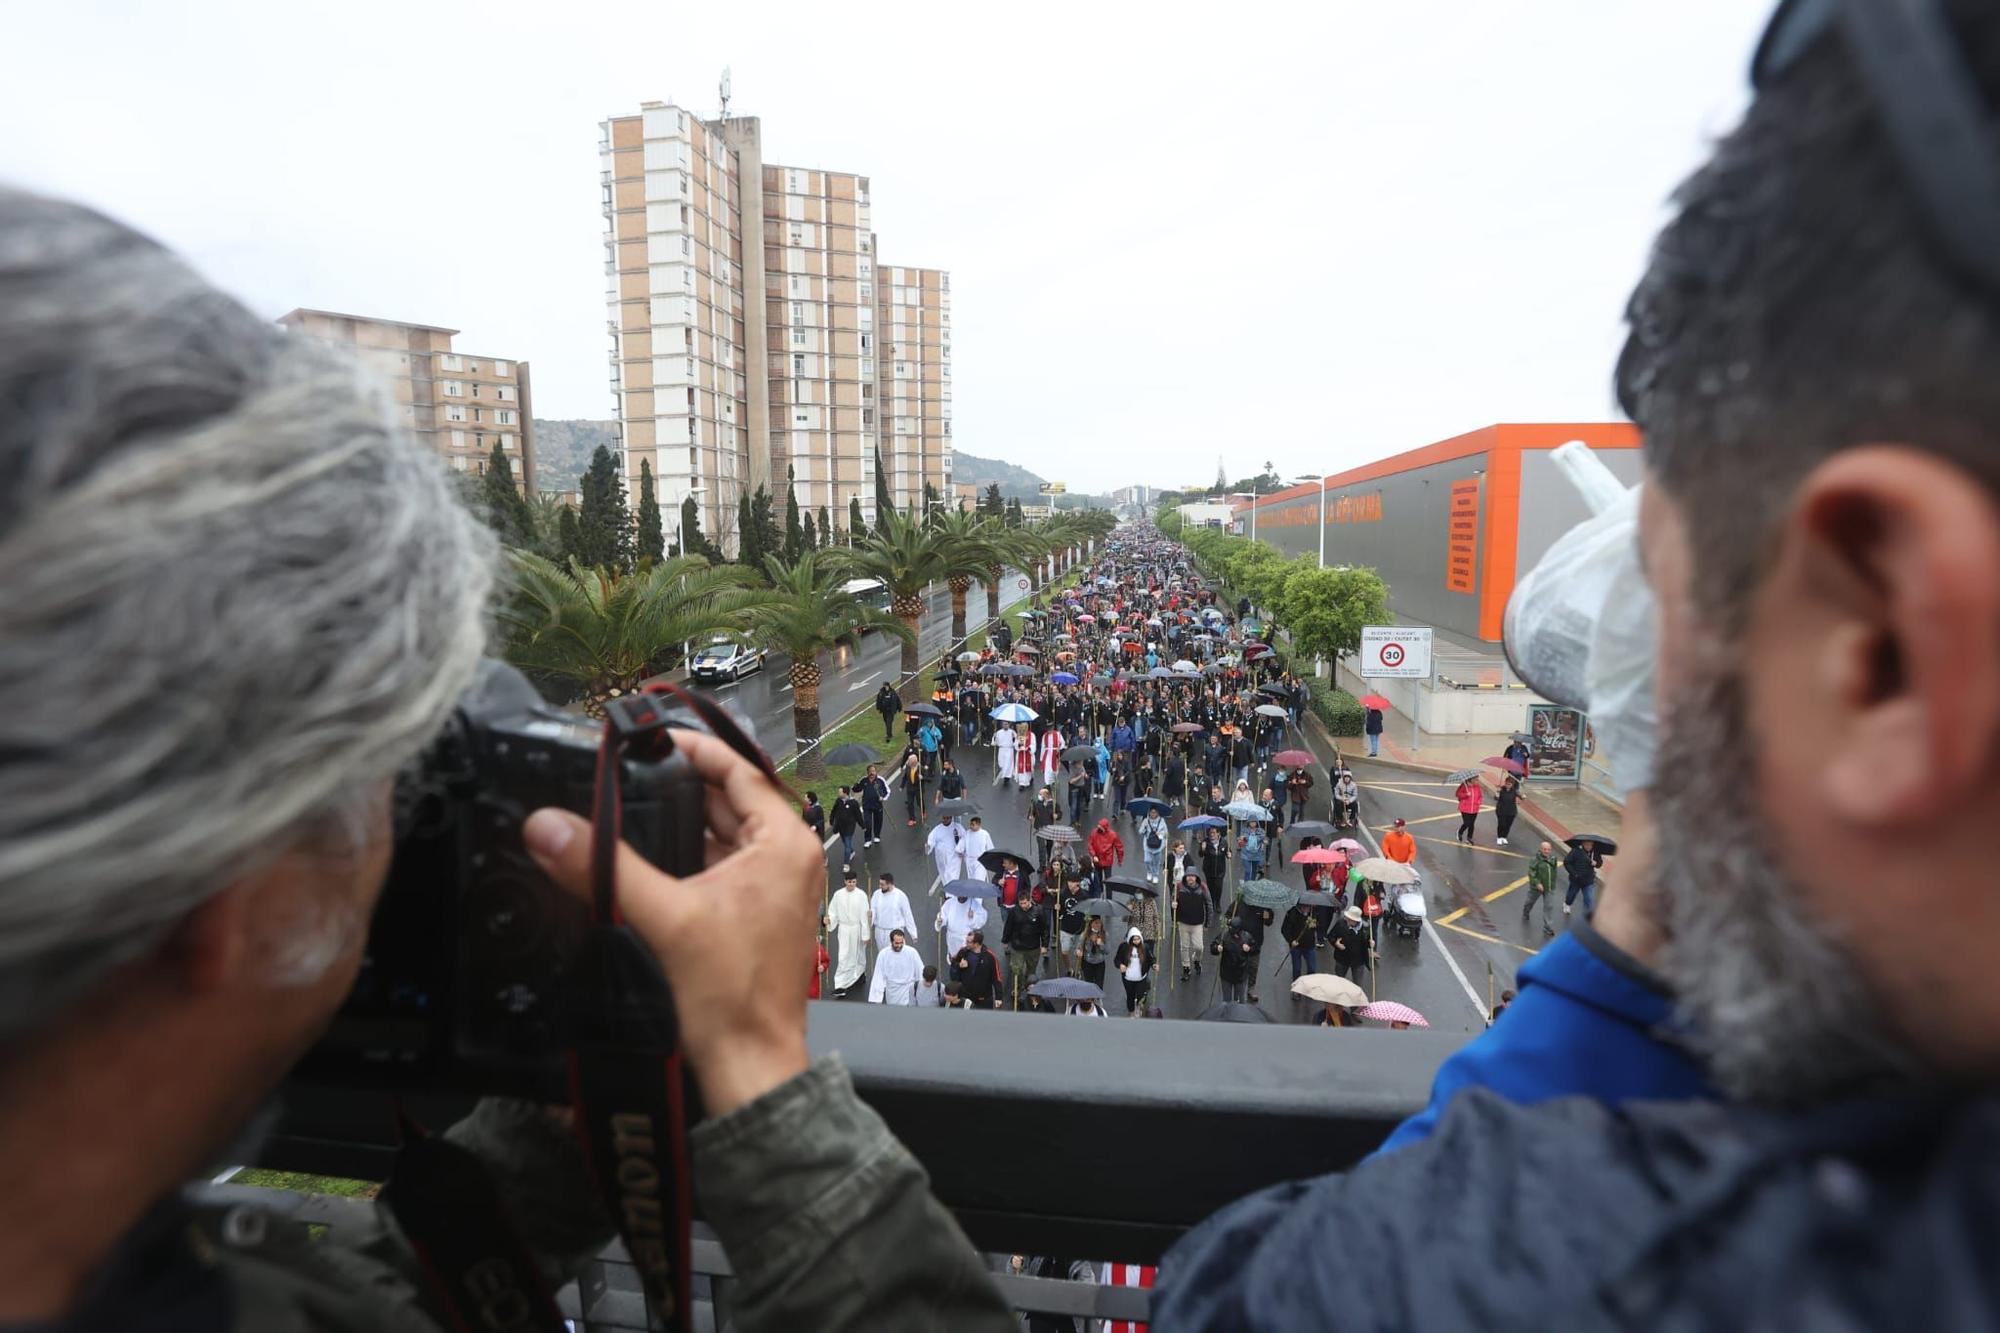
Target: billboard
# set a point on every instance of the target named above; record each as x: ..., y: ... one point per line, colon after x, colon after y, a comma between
x: 1055, y: 488
x: 1555, y: 752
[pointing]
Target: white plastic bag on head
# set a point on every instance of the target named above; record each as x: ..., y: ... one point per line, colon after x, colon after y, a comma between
x: 1581, y: 625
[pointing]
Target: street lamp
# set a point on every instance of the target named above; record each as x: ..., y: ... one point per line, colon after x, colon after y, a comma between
x: 1322, y: 516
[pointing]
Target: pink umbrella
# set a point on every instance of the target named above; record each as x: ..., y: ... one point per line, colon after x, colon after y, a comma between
x: 1388, y: 1011
x: 1088, y: 619
x: 1347, y: 845
x: 1320, y: 856
x: 1514, y: 766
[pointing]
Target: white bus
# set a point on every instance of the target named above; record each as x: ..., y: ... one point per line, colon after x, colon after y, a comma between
x: 868, y: 592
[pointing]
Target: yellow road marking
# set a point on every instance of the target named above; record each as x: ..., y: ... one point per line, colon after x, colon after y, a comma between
x: 1432, y: 819
x: 1473, y: 847
x: 1490, y: 939
x: 1417, y: 795
x: 1498, y: 893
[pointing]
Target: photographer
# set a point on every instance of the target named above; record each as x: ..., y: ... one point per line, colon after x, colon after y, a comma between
x: 238, y: 600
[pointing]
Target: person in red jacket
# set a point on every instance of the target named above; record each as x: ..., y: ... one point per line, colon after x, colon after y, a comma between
x: 1106, y: 850
x: 1471, y: 795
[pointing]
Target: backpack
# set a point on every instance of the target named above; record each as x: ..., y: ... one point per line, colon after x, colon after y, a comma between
x: 1153, y: 840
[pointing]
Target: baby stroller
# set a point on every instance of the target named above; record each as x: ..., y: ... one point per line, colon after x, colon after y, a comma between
x: 1406, y: 913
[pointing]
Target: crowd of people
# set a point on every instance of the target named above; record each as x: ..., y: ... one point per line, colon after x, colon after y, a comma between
x: 1152, y: 738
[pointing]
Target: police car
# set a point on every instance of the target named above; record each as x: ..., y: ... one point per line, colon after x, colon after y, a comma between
x: 725, y: 660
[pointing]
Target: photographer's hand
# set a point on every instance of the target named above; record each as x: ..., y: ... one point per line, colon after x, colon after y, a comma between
x: 742, y: 1010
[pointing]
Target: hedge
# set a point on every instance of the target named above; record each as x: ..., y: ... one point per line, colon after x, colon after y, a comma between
x: 1340, y: 711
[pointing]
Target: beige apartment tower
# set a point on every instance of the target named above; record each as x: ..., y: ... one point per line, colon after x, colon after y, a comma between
x: 745, y: 305
x: 459, y: 403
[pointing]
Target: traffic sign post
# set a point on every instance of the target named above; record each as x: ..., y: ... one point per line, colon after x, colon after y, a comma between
x: 1397, y: 652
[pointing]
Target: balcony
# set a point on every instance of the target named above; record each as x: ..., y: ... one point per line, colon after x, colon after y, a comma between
x: 1134, y: 1123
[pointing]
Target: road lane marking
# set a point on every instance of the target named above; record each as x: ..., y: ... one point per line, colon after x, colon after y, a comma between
x: 1398, y: 791
x: 1471, y: 995
x: 1471, y: 847
x: 1494, y: 896
x: 1490, y: 939
x: 1432, y: 819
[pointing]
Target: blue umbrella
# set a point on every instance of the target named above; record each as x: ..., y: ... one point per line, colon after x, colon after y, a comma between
x: 1063, y: 678
x: 1014, y: 713
x: 1256, y: 814
x: 1159, y: 673
x: 1204, y: 821
x: 973, y: 888
x: 1145, y: 805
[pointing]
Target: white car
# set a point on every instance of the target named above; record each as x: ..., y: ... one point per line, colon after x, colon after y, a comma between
x: 725, y: 661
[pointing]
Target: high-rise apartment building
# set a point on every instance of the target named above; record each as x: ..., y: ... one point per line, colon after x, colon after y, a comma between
x: 459, y: 403
x: 745, y: 306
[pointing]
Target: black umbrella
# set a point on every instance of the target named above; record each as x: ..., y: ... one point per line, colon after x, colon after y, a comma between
x: 996, y: 860
x: 1066, y: 988
x: 973, y: 888
x: 854, y: 752
x: 956, y: 805
x: 1310, y: 828
x: 1233, y: 1012
x: 1605, y: 846
x: 1275, y: 691
x: 1101, y: 907
x: 1131, y: 886
x: 1078, y: 753
x: 924, y: 710
x: 1312, y: 898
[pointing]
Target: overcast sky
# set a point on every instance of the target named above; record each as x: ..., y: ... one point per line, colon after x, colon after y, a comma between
x: 1318, y: 234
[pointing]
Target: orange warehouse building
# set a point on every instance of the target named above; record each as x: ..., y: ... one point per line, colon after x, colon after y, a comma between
x: 1449, y: 525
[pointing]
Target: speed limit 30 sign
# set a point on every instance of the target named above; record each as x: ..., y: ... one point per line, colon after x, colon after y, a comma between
x: 1390, y: 652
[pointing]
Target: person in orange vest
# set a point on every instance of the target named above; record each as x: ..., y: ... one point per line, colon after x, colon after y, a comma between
x: 1398, y: 845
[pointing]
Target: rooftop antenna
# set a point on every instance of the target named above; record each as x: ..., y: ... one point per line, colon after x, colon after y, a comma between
x: 725, y: 92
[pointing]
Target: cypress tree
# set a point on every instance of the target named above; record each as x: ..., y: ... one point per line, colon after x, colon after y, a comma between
x: 692, y: 540
x: 569, y: 540
x: 825, y: 527
x: 991, y: 504
x: 770, y: 538
x: 812, y: 532
x: 652, y: 540
x: 502, y: 505
x: 1015, y: 518
x: 604, y: 527
x: 856, y: 525
x: 884, y: 506
x: 795, y: 533
x: 746, y: 539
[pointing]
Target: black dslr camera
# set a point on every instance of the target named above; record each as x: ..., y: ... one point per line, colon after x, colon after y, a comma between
x: 462, y: 984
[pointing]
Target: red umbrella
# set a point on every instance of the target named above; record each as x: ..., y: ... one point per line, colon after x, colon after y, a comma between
x: 1514, y: 766
x: 1388, y: 1011
x: 1292, y: 759
x: 1375, y: 701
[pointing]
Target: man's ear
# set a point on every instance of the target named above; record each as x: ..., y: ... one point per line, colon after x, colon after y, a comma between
x: 1895, y: 555
x: 211, y: 946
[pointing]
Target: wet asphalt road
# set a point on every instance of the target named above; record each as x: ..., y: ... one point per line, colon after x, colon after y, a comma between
x: 1473, y: 896
x: 850, y: 676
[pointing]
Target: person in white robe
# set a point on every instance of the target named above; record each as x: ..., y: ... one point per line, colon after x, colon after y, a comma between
x: 1004, y: 741
x: 847, y: 922
x: 898, y: 970
x: 1052, y: 748
x: 956, y: 919
x: 890, y: 907
x: 946, y: 845
x: 978, y: 842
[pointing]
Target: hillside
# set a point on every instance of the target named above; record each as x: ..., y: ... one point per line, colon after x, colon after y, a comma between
x: 563, y: 450
x: 1016, y: 483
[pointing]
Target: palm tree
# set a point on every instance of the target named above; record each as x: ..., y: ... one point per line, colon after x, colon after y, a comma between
x: 907, y: 557
x: 1056, y: 533
x: 1012, y: 546
x: 994, y: 544
x: 808, y: 615
x: 605, y: 632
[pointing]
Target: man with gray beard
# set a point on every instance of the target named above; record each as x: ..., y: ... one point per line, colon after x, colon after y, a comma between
x: 1811, y: 360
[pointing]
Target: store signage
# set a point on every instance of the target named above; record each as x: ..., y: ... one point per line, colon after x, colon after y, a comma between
x: 1463, y: 524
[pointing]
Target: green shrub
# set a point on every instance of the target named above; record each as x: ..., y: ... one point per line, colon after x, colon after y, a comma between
x: 1340, y: 711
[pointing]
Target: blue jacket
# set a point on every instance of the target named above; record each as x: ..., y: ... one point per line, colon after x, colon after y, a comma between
x: 1121, y: 738
x: 1589, y: 1022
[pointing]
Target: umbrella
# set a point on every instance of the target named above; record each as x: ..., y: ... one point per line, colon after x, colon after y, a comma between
x: 1078, y: 752
x: 1159, y: 673
x: 1254, y: 645
x: 1131, y: 886
x: 1185, y: 675
x: 1605, y: 846
x: 996, y: 860
x: 1310, y: 828
x: 1101, y: 678
x: 1013, y: 713
x: 1388, y: 1011
x: 1153, y: 620
x: 854, y: 752
x: 1274, y: 691
x: 1058, y: 833
x: 1233, y: 1012
x: 1064, y: 678
x: 1319, y: 856
x: 1329, y: 989
x: 1147, y: 805
x: 973, y: 888
x: 1375, y: 701
x: 1384, y: 871
x: 1087, y: 619
x: 1204, y: 821
x: 1312, y: 898
x: 1025, y: 647
x: 1187, y: 728
x: 1462, y: 775
x: 1348, y: 845
x: 1184, y: 665
x: 956, y: 805
x: 1514, y: 766
x: 924, y: 710
x: 1255, y: 814
x: 1066, y: 988
x: 1272, y: 710
x: 1291, y: 758
x: 966, y: 657
x: 1101, y: 907
x: 1269, y: 893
